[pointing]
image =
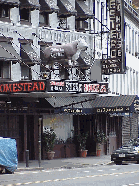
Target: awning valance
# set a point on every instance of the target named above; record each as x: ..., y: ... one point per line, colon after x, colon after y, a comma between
x: 29, y: 4
x: 7, y: 52
x: 66, y: 8
x: 28, y: 54
x: 82, y: 10
x: 48, y: 6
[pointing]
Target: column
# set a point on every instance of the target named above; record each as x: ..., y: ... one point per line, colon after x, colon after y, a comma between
x: 25, y: 136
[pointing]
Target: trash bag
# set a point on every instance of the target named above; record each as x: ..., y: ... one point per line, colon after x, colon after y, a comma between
x: 8, y: 154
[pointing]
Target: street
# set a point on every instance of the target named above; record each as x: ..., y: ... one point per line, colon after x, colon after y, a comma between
x: 101, y: 175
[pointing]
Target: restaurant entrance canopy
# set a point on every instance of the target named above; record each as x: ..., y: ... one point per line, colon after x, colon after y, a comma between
x: 96, y: 105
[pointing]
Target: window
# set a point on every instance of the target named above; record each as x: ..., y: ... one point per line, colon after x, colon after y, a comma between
x: 63, y: 23
x: 126, y: 27
x: 45, y: 71
x: 98, y: 15
x: 5, y: 70
x: 25, y: 72
x: 4, y: 11
x: 25, y: 15
x: 129, y: 40
x: 44, y: 19
x: 102, y: 15
x: 81, y: 24
x: 133, y: 42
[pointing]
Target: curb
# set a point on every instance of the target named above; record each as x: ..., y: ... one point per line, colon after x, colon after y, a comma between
x: 29, y: 169
x: 65, y: 167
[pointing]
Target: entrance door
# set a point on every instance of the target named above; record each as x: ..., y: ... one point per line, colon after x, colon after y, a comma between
x: 30, y: 136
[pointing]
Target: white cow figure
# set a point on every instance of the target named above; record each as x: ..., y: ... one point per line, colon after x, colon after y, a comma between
x: 71, y: 51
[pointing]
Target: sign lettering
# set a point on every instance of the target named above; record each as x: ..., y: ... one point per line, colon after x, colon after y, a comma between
x: 113, y: 64
x: 21, y: 87
x: 77, y: 86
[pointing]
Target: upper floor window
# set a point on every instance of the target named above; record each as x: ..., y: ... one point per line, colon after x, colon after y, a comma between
x: 133, y: 42
x: 81, y: 24
x: 25, y: 15
x: 44, y: 19
x: 130, y: 39
x: 26, y: 72
x: 98, y: 15
x: 4, y: 12
x: 63, y: 22
x: 5, y: 70
x: 102, y: 15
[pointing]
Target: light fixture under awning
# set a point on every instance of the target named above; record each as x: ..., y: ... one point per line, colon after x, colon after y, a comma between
x: 7, y: 52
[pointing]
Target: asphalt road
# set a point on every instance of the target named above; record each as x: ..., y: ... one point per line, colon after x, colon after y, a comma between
x: 102, y: 175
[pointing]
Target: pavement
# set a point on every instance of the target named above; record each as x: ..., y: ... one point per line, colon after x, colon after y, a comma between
x: 65, y: 163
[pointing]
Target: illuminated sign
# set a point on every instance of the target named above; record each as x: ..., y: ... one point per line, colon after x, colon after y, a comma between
x: 22, y: 87
x: 112, y: 109
x: 77, y: 86
x: 116, y: 62
x: 72, y: 110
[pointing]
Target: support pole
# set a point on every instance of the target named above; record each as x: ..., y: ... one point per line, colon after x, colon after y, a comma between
x: 27, y: 158
x: 39, y: 142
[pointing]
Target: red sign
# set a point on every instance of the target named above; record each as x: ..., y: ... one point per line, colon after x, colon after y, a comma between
x: 21, y: 87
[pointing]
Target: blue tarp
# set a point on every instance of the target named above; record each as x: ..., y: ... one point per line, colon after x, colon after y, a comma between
x: 8, y: 154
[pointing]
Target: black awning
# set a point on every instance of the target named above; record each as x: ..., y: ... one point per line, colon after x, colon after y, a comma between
x: 48, y: 6
x: 28, y: 54
x: 10, y: 2
x: 84, y: 60
x: 7, y: 52
x: 106, y: 104
x: 29, y: 4
x: 114, y: 104
x: 66, y: 8
x: 82, y: 10
x: 65, y: 101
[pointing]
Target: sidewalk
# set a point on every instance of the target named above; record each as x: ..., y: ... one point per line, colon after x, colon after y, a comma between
x: 66, y: 163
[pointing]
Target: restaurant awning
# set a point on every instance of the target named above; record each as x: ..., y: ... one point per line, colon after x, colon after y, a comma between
x: 10, y: 2
x: 7, y: 52
x: 48, y: 6
x: 29, y: 4
x: 28, y: 54
x: 82, y: 10
x: 106, y: 104
x: 66, y: 8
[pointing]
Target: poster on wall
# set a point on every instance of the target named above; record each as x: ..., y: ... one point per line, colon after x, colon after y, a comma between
x: 115, y: 64
x: 61, y: 124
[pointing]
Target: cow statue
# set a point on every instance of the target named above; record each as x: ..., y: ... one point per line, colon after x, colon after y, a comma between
x: 70, y: 51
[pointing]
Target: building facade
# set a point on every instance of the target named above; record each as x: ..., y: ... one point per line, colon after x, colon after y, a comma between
x: 26, y: 29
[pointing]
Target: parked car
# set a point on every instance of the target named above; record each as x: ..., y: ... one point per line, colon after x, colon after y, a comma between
x: 8, y: 155
x: 128, y: 152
